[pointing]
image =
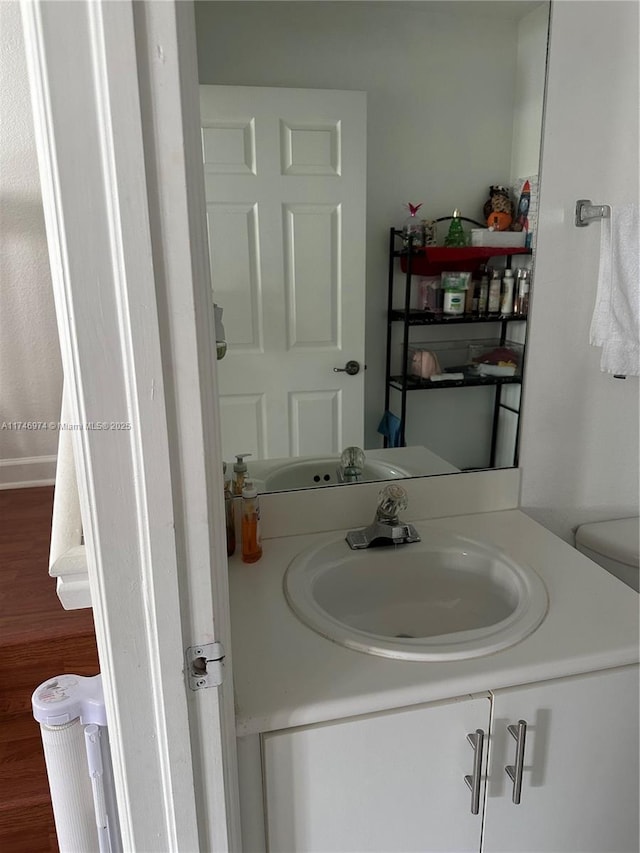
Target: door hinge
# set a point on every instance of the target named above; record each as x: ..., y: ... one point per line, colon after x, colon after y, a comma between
x: 204, y: 665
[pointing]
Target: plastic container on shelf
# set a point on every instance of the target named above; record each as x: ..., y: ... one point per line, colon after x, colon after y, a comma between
x: 501, y: 239
x: 482, y: 357
x: 492, y: 358
x: 454, y: 288
x: 447, y: 355
x: 433, y: 260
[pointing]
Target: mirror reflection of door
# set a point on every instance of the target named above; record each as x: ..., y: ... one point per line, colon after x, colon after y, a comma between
x: 285, y: 176
x: 454, y: 104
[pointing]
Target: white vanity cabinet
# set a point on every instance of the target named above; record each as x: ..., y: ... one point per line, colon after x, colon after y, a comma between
x: 394, y: 781
x: 580, y: 769
x: 388, y: 782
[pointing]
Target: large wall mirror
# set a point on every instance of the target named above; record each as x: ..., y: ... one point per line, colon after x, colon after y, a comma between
x: 320, y: 121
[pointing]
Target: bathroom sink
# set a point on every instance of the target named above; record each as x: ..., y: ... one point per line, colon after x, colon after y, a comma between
x: 444, y: 598
x: 322, y: 471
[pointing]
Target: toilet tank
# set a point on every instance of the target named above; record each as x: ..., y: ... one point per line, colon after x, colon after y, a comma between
x: 614, y: 545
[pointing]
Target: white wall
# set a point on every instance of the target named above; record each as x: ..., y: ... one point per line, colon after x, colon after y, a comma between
x: 529, y: 95
x: 30, y: 371
x: 440, y: 113
x: 580, y: 438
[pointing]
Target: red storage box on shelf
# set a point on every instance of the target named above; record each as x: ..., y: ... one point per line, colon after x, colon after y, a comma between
x: 432, y: 260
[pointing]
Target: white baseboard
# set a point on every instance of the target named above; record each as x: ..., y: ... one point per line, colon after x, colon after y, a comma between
x: 27, y: 472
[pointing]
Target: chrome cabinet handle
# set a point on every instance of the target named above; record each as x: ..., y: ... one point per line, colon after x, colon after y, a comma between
x: 351, y: 367
x: 476, y: 739
x: 514, y: 771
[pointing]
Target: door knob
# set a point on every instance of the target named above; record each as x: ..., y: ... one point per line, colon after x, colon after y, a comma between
x: 351, y: 367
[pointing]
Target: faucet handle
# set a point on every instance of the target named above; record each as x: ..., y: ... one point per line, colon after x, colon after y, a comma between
x: 391, y: 500
x: 352, y: 457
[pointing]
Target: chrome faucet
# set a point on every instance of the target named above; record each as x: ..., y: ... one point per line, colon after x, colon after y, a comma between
x: 386, y: 528
x: 351, y: 465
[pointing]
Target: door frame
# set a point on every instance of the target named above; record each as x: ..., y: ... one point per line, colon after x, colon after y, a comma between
x: 115, y: 100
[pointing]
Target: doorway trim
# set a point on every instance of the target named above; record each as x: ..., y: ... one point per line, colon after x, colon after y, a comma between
x: 114, y: 92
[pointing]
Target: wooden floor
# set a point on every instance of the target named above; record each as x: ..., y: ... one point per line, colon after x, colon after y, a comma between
x: 38, y: 640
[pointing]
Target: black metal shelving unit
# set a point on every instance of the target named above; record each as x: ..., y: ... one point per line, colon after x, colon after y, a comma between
x: 425, y: 262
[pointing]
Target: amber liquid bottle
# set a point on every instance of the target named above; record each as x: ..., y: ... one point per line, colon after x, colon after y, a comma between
x: 251, y: 540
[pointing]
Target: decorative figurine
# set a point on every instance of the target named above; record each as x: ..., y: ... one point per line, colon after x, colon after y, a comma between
x: 413, y: 229
x: 498, y: 209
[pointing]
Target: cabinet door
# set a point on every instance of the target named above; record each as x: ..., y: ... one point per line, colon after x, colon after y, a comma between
x: 389, y: 782
x: 580, y: 778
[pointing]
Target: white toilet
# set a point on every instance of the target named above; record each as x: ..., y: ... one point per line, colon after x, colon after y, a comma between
x: 613, y: 545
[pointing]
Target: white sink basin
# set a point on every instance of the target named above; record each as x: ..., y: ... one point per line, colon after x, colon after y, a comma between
x: 311, y: 473
x: 445, y: 598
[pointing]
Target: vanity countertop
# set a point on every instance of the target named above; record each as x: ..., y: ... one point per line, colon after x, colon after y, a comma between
x: 287, y: 675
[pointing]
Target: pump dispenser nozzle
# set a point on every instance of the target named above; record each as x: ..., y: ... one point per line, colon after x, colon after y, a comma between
x: 239, y: 472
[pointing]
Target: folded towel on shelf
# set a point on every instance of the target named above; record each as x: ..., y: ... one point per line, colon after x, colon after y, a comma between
x: 389, y: 427
x: 616, y: 318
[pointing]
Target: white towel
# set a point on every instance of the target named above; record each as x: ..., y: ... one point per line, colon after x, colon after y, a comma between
x: 616, y: 319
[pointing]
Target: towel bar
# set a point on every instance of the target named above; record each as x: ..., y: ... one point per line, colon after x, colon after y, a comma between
x: 587, y: 212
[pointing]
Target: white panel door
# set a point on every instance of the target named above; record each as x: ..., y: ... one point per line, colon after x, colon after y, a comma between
x: 580, y: 779
x: 389, y: 782
x: 285, y: 173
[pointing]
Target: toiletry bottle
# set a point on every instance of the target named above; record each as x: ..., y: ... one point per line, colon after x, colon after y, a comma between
x: 521, y: 298
x: 453, y: 301
x: 454, y: 288
x: 455, y: 236
x: 506, y: 302
x: 484, y: 295
x: 493, y: 301
x: 471, y: 298
x: 229, y: 513
x: 239, y: 472
x: 251, y: 540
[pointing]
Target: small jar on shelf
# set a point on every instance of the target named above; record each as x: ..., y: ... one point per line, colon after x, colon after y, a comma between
x: 412, y: 228
x: 454, y: 287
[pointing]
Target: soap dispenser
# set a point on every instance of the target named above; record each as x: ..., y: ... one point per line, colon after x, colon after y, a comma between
x: 239, y: 472
x: 229, y: 512
x: 251, y: 538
